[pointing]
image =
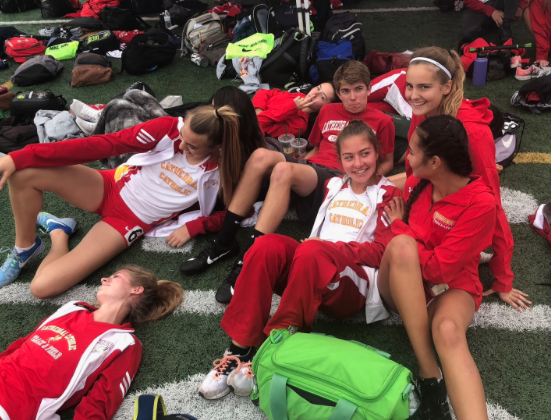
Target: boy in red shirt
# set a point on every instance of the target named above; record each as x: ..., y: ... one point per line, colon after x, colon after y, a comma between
x: 303, y: 181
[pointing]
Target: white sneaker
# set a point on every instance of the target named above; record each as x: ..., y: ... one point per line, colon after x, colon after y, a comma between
x: 86, y: 127
x: 215, y: 384
x: 240, y: 381
x: 85, y: 112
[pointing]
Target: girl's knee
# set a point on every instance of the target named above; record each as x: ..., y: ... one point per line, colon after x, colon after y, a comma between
x: 402, y: 248
x: 447, y: 333
x: 261, y: 160
x: 39, y: 287
x: 312, y: 249
x: 282, y: 174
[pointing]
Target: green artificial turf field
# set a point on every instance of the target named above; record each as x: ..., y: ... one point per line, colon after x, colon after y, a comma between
x: 510, y: 349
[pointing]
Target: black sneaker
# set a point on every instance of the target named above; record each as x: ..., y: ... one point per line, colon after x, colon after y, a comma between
x: 505, y: 32
x: 209, y: 256
x: 224, y: 293
x: 434, y: 401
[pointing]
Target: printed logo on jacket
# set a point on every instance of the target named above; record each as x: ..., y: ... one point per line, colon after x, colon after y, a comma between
x: 443, y: 221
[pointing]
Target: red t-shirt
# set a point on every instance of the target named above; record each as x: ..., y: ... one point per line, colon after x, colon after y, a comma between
x: 330, y: 122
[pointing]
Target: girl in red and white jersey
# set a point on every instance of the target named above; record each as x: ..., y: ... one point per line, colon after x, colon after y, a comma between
x: 82, y: 355
x: 335, y: 270
x: 181, y: 168
x: 429, y: 271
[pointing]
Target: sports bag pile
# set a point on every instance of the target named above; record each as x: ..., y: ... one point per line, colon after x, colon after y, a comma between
x: 344, y: 26
x: 21, y: 48
x: 313, y: 376
x: 146, y: 52
x: 38, y: 69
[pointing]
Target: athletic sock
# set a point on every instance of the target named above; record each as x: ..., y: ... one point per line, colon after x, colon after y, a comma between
x: 20, y: 250
x: 250, y: 242
x: 230, y: 226
x: 239, y: 351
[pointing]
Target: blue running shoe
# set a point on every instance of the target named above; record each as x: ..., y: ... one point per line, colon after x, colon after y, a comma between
x: 16, y: 261
x: 49, y: 223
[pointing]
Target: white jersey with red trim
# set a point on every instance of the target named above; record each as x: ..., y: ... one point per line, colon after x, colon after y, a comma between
x: 69, y: 359
x: 390, y: 88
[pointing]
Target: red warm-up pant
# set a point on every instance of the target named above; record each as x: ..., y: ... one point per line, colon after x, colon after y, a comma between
x: 309, y: 276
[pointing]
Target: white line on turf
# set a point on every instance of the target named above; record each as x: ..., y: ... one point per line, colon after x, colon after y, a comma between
x: 490, y: 315
x: 383, y: 10
x: 182, y: 397
x: 517, y: 205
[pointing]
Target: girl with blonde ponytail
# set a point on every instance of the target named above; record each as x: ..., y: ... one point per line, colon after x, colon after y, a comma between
x: 84, y: 355
x: 181, y: 171
x: 434, y: 86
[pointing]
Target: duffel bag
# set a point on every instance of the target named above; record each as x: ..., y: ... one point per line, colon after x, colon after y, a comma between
x: 18, y: 6
x: 28, y: 103
x: 63, y: 51
x: 21, y: 48
x: 91, y: 69
x: 37, y: 70
x: 305, y: 376
x: 100, y: 43
x: 146, y: 52
x: 330, y: 56
x: 119, y: 19
x: 214, y: 47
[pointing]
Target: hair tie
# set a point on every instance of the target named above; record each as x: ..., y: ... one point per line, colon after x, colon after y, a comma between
x: 217, y: 114
x: 436, y: 63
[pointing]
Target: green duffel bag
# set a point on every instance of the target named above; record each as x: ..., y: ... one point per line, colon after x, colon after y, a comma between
x: 312, y: 376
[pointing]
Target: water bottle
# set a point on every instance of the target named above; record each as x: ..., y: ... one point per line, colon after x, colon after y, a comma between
x: 168, y: 23
x: 480, y: 69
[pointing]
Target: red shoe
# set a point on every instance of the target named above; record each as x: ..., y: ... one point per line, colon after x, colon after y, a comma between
x: 532, y: 72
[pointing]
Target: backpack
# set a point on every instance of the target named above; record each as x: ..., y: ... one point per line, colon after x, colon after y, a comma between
x: 16, y: 133
x: 119, y: 19
x: 305, y: 376
x: 143, y: 7
x: 20, y: 49
x: 38, y: 69
x: 198, y: 29
x: 7, y: 32
x: 381, y: 63
x: 508, y: 144
x: 214, y: 47
x: 28, y: 103
x: 63, y: 51
x: 148, y: 51
x: 55, y: 8
x: 330, y: 56
x: 100, y: 43
x: 282, y: 66
x: 179, y: 15
x: 534, y: 95
x: 344, y: 26
x: 86, y: 23
x: 91, y: 69
x: 17, y: 6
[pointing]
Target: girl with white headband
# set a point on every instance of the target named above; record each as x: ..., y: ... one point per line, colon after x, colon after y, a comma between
x: 434, y: 86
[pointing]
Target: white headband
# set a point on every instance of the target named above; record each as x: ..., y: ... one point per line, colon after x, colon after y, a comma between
x: 436, y: 63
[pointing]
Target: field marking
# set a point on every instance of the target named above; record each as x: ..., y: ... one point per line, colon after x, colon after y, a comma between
x: 202, y: 302
x: 517, y: 205
x: 532, y: 157
x: 182, y: 397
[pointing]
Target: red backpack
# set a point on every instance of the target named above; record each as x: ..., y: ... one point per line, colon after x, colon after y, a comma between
x: 20, y: 49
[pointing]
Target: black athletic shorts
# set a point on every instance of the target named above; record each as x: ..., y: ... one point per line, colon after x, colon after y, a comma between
x: 307, y: 207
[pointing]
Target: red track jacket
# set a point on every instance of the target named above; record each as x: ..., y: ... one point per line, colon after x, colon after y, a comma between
x: 541, y: 25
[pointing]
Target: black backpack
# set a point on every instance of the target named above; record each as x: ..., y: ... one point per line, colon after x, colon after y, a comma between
x: 55, y: 8
x: 146, y: 52
x: 29, y: 103
x: 17, y: 6
x: 283, y: 66
x: 344, y: 26
x: 534, y: 95
x: 119, y: 19
x: 86, y: 23
x: 100, y: 43
x: 16, y: 133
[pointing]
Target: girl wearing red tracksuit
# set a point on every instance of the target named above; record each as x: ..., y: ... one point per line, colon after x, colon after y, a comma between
x: 279, y: 112
x: 538, y: 20
x: 179, y: 169
x: 325, y: 272
x: 429, y: 272
x: 82, y: 355
x: 435, y: 87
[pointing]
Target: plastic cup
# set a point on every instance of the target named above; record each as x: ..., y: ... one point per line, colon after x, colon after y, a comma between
x: 285, y: 141
x: 299, y: 148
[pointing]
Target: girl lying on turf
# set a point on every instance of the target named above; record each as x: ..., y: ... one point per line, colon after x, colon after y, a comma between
x: 180, y: 168
x: 84, y: 355
x: 429, y: 271
x: 434, y: 86
x: 327, y: 272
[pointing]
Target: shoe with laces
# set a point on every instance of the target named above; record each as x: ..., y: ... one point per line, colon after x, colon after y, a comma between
x: 48, y: 223
x: 516, y: 61
x: 532, y: 72
x: 86, y: 126
x: 434, y: 400
x: 85, y: 112
x: 224, y: 294
x: 209, y: 256
x: 241, y: 380
x: 47, y: 31
x: 17, y: 260
x: 215, y: 385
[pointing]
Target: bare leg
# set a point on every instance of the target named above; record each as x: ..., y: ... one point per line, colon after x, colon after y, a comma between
x: 399, y: 180
x: 526, y: 15
x: 451, y: 315
x: 302, y: 179
x: 260, y: 164
x: 400, y: 283
x: 62, y: 269
x: 78, y: 185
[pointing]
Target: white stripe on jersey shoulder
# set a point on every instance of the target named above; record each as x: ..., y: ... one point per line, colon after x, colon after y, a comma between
x: 143, y: 138
x: 145, y: 133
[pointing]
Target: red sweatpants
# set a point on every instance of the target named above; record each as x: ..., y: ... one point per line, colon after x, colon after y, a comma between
x: 308, y: 277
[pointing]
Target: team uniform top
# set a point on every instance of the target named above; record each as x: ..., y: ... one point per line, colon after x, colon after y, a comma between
x: 156, y: 184
x: 331, y: 121
x: 451, y: 233
x: 279, y: 113
x: 388, y: 93
x: 68, y: 359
